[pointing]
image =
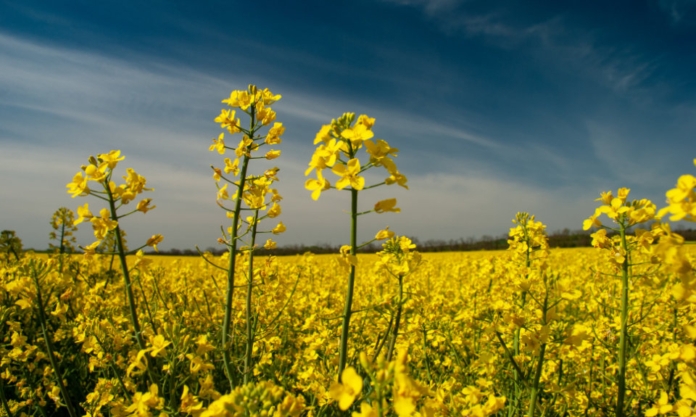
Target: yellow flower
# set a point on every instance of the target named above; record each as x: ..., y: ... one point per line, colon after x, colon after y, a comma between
x: 269, y: 98
x: 605, y: 197
x: 357, y: 134
x: 158, y: 345
x: 232, y: 166
x: 592, y: 221
x: 154, y: 241
x: 622, y: 194
x: 350, y: 387
x: 661, y: 407
x: 349, y: 175
x: 324, y: 134
x: 345, y: 259
x: 244, y: 147
x: 142, y: 403
x: 276, y: 197
x: 141, y: 261
x: 272, y: 154
x: 83, y: 213
x: 265, y: 114
x: 274, y: 134
x: 198, y: 364
x: 681, y: 200
x: 103, y: 224
x: 222, y: 193
x: 218, y: 144
x: 78, y: 186
x: 227, y: 120
x: 387, y: 205
x: 365, y: 411
x: 397, y: 178
x: 406, y: 244
x: 189, y: 403
x: 280, y: 228
x: 325, y: 156
x: 270, y: 244
x: 144, y: 205
x: 90, y: 249
x: 384, y: 234
x: 380, y: 152
x: 203, y: 345
x: 238, y: 98
x: 95, y: 173
x: 274, y: 211
x: 366, y: 121
x: 111, y: 159
x: 271, y: 174
x: 135, y: 181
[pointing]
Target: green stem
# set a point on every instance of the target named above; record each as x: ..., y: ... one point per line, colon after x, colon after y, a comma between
x: 226, y: 323
x: 351, y: 283
x: 380, y: 401
x: 126, y: 277
x: 250, y: 281
x: 624, y: 328
x: 5, y: 404
x: 147, y: 305
x: 540, y: 363
x: 395, y: 333
x: 49, y: 347
x: 62, y: 247
x: 516, y: 340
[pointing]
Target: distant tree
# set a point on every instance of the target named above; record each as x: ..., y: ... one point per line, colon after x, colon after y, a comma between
x: 10, y: 244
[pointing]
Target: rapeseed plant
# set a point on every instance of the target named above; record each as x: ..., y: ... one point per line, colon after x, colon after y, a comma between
x: 622, y: 250
x: 255, y: 192
x: 339, y: 143
x: 100, y: 170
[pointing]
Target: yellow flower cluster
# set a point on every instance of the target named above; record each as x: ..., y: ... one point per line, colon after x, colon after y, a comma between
x: 339, y: 143
x: 254, y: 189
x: 100, y: 170
x: 453, y: 305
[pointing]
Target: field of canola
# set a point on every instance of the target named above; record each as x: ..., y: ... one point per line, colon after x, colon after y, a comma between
x: 531, y: 331
x: 460, y: 311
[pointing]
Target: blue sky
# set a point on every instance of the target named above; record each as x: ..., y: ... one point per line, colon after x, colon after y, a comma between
x: 496, y: 107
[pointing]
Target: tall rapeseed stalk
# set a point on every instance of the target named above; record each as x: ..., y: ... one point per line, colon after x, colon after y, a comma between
x: 257, y: 195
x: 339, y: 143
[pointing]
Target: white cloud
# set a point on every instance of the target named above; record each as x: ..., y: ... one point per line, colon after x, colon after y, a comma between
x: 678, y: 10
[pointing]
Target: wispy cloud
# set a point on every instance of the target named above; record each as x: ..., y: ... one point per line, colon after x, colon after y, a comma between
x: 679, y: 11
x: 68, y: 104
x: 555, y: 40
x: 430, y: 6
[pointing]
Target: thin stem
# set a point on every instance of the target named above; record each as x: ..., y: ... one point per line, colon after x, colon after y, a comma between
x: 5, y: 404
x: 395, y: 333
x: 540, y: 362
x: 49, y: 347
x: 126, y: 277
x: 621, y: 377
x: 511, y: 357
x: 226, y: 337
x: 351, y: 283
x: 62, y: 246
x: 250, y: 280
